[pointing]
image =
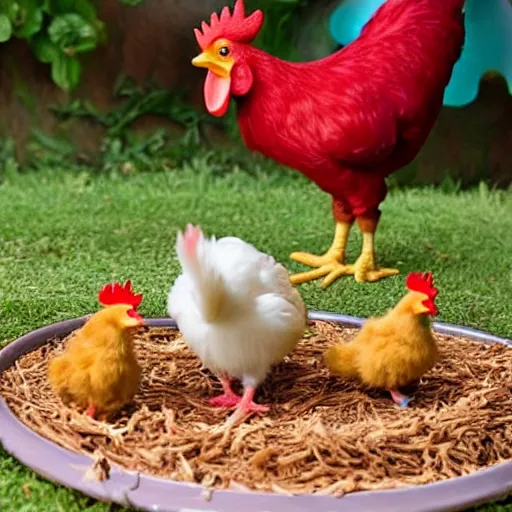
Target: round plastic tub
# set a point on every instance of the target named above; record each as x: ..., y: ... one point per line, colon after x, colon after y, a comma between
x: 145, y: 492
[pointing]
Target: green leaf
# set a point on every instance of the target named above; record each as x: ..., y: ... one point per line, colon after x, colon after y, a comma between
x: 5, y: 28
x: 72, y: 34
x: 60, y: 6
x: 29, y: 18
x: 86, y: 9
x: 44, y: 50
x: 66, y: 71
x: 10, y: 9
x: 101, y: 31
x: 131, y: 2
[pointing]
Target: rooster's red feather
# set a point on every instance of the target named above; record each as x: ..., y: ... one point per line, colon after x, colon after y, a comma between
x: 348, y: 120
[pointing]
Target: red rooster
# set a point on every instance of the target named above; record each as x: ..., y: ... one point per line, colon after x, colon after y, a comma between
x: 345, y: 121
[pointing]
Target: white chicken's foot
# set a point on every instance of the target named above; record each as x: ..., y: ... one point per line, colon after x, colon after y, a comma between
x: 227, y: 400
x: 246, y: 407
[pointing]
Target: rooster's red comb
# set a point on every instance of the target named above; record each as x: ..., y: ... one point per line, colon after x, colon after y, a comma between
x: 422, y: 283
x: 115, y: 293
x: 235, y: 27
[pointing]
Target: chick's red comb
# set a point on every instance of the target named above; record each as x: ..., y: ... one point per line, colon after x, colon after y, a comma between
x: 235, y: 27
x: 422, y: 283
x: 115, y: 293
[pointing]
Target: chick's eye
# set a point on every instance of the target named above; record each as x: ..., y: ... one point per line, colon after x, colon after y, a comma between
x: 224, y: 51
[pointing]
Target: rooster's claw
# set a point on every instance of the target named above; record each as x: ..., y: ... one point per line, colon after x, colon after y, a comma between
x: 330, y: 272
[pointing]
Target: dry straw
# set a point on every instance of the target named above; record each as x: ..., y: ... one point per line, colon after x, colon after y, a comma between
x: 322, y: 434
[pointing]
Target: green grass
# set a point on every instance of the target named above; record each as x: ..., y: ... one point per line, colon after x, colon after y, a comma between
x: 64, y: 235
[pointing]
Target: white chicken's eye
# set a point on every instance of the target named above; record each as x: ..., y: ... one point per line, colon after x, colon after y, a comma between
x: 224, y: 51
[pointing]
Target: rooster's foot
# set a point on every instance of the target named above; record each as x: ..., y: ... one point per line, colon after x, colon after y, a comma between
x: 327, y: 266
x: 312, y: 260
x: 329, y: 272
x: 366, y: 271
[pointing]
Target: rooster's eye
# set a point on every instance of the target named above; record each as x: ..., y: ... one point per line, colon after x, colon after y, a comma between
x: 224, y: 51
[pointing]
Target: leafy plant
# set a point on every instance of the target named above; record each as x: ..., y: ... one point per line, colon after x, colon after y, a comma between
x: 57, y: 31
x: 139, y: 100
x: 128, y: 151
x: 9, y: 165
x: 131, y: 2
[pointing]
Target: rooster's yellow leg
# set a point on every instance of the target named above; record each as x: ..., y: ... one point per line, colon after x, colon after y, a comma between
x: 331, y: 265
x: 365, y: 268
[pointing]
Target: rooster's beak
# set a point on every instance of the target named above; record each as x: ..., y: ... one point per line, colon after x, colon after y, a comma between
x: 217, y: 66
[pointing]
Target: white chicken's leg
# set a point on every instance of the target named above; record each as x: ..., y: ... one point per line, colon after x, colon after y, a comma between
x: 229, y: 398
x: 246, y: 406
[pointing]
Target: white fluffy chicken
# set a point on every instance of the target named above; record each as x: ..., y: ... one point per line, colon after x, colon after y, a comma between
x: 237, y: 310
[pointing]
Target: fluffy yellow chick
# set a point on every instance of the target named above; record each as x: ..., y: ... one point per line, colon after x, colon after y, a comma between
x: 99, y: 369
x: 394, y: 350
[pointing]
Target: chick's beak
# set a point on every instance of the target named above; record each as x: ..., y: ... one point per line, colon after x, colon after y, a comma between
x: 135, y: 319
x: 209, y: 61
x: 430, y: 308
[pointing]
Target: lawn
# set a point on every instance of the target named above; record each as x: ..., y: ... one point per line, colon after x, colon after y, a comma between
x: 64, y: 234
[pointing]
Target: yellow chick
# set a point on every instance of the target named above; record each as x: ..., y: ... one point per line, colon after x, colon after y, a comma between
x: 99, y: 369
x: 396, y: 349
